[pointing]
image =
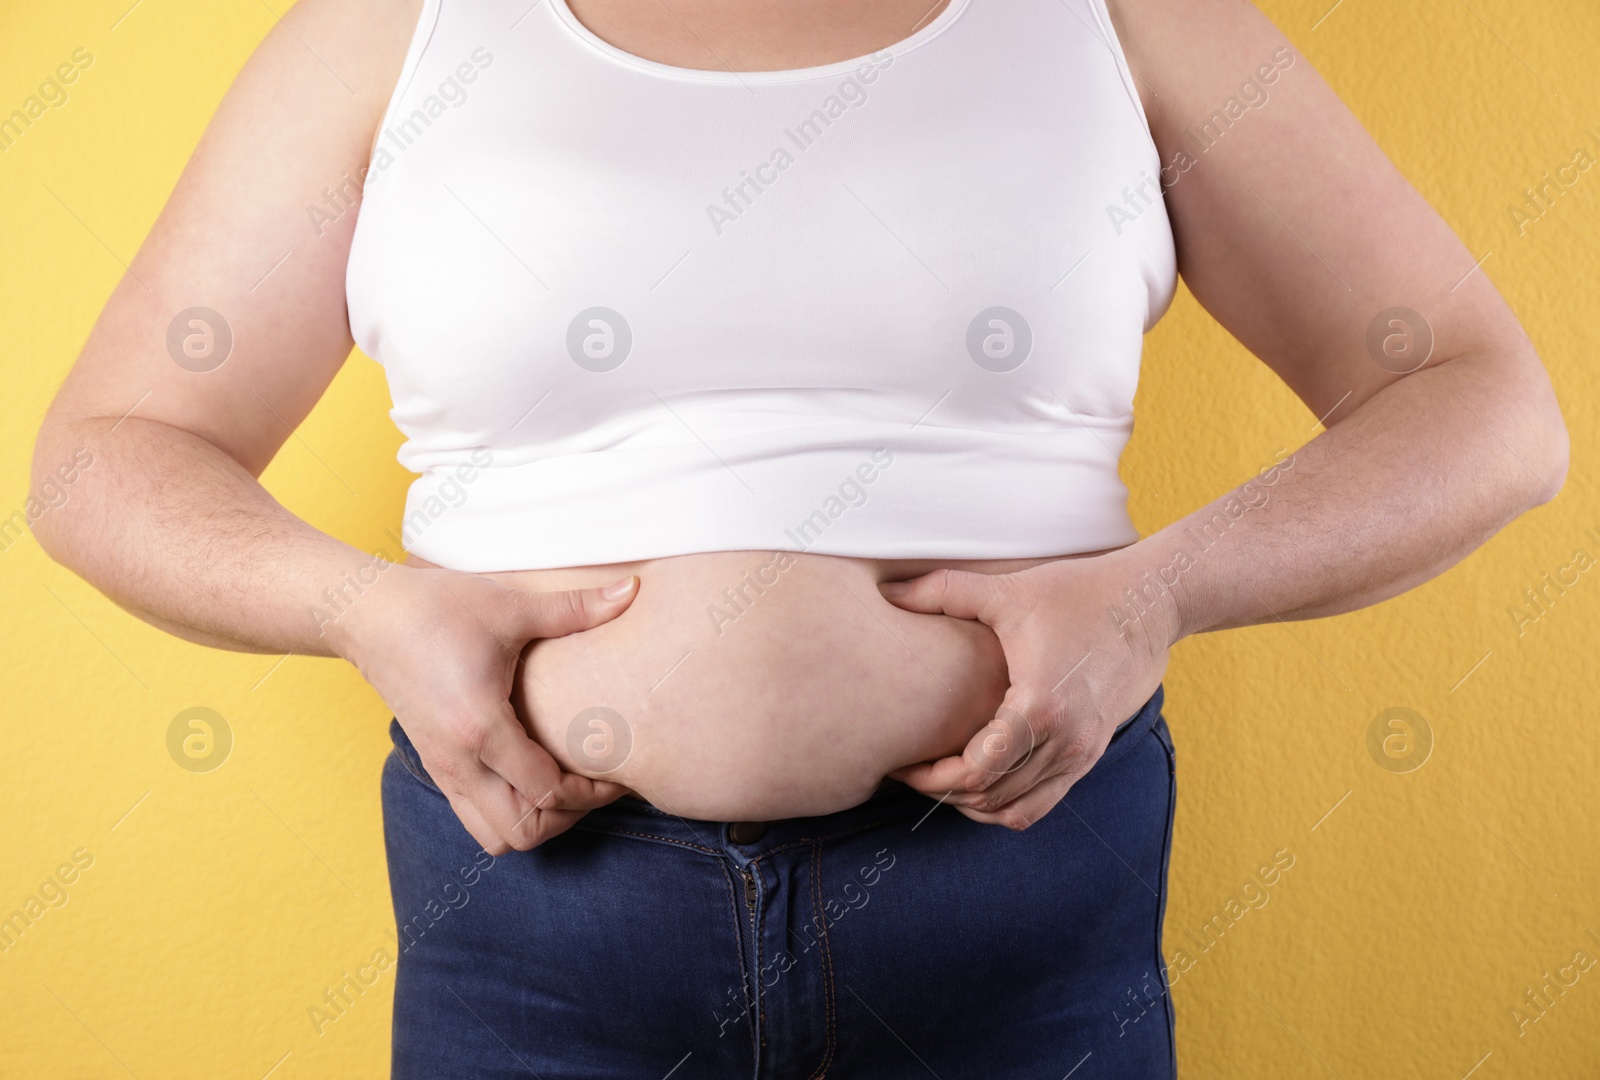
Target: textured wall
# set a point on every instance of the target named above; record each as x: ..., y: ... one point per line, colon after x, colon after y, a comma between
x: 207, y: 912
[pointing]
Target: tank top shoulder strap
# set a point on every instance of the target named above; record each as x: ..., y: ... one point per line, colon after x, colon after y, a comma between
x: 421, y: 37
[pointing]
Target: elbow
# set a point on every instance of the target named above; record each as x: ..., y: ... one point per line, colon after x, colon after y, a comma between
x: 1548, y: 447
x: 55, y: 469
x: 48, y: 535
x: 1555, y: 456
x: 42, y: 518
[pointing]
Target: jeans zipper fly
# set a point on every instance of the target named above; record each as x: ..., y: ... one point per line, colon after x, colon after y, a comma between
x: 749, y: 889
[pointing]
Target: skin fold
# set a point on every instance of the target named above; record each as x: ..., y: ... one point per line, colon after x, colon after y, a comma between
x: 991, y: 685
x: 797, y: 701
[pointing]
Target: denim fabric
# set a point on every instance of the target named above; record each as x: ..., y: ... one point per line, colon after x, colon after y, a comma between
x: 894, y: 940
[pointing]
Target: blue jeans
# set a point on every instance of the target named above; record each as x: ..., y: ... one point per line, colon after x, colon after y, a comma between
x: 894, y: 940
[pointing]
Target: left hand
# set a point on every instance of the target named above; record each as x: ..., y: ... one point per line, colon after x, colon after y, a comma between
x: 1082, y: 657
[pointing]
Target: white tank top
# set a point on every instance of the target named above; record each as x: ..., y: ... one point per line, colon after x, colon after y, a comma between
x: 890, y: 307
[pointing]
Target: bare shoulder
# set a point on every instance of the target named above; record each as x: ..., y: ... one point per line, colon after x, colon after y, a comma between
x: 231, y: 321
x: 1179, y: 49
x: 1294, y: 229
x: 348, y: 51
x: 360, y: 45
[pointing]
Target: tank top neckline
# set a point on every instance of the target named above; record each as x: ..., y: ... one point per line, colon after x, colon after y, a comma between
x: 932, y: 29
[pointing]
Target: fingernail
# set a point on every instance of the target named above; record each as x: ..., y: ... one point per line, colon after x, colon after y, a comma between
x: 619, y: 589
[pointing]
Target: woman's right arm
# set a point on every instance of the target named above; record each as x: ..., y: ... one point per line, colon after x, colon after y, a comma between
x: 169, y: 519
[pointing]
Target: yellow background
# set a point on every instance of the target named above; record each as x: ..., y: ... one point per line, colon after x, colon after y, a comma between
x: 1415, y: 916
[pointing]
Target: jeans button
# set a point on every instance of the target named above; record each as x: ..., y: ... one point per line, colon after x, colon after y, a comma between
x: 746, y: 832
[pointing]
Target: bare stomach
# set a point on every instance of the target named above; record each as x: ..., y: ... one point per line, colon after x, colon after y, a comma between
x: 752, y: 685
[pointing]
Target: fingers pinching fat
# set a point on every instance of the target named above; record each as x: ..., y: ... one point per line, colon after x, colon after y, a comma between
x: 534, y: 772
x: 556, y: 614
x: 508, y: 752
x: 520, y: 822
x: 960, y: 594
x: 1015, y: 755
x: 580, y: 793
x: 1032, y: 805
x: 476, y: 827
x: 500, y: 818
x: 1001, y: 748
x: 538, y: 778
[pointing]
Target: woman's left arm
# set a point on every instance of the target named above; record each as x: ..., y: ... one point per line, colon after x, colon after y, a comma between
x: 1301, y: 238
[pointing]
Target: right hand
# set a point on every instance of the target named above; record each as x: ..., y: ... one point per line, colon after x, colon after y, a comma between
x: 442, y: 647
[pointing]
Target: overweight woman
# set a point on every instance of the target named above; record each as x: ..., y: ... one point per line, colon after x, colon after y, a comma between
x: 775, y: 667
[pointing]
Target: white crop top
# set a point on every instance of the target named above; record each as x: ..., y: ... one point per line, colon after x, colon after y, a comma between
x: 890, y: 307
